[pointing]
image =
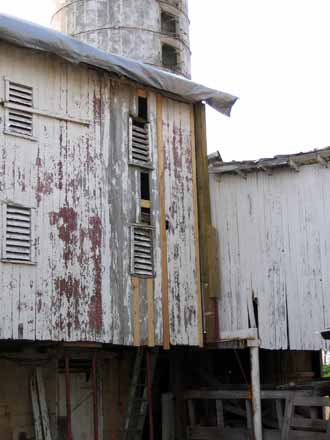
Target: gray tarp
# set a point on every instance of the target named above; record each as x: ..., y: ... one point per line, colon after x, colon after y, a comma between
x: 33, y: 36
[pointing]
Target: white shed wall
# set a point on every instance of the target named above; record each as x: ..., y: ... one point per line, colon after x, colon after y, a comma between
x: 274, y: 245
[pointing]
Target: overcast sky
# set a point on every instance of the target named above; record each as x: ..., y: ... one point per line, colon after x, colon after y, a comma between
x: 272, y: 54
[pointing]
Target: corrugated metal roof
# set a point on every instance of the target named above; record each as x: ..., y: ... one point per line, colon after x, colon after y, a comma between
x: 33, y: 36
x: 293, y: 161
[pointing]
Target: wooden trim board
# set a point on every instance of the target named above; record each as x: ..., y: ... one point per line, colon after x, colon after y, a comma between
x: 196, y: 230
x: 163, y: 240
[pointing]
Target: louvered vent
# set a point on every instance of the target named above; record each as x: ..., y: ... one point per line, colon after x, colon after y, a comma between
x: 18, y: 233
x: 20, y: 94
x: 19, y: 113
x: 20, y: 122
x: 139, y: 142
x: 142, y: 252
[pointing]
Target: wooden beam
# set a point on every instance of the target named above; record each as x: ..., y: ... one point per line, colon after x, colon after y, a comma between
x: 204, y: 221
x: 162, y: 219
x: 151, y: 313
x: 136, y: 312
x: 256, y: 395
x: 149, y: 396
x: 196, y: 233
x: 249, y: 333
x: 68, y: 399
x: 95, y: 399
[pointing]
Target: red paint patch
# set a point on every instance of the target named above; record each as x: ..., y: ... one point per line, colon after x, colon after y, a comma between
x: 70, y: 288
x: 66, y: 222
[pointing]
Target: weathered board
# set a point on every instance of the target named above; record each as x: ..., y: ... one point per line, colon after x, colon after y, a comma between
x: 274, y: 247
x: 84, y: 196
x: 183, y: 276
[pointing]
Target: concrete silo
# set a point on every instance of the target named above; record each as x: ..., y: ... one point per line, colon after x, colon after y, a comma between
x: 153, y: 31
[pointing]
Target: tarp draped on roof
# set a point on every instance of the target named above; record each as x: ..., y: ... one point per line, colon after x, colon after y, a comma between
x: 26, y: 34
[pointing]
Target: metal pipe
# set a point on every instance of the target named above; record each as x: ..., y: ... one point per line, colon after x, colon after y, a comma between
x: 68, y: 399
x: 256, y: 395
x: 95, y: 400
x: 149, y: 394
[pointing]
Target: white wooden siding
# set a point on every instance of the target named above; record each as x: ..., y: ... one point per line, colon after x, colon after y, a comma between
x: 182, y: 279
x: 274, y: 245
x: 84, y: 196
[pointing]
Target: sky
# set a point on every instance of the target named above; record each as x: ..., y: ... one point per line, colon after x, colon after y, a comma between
x: 272, y: 54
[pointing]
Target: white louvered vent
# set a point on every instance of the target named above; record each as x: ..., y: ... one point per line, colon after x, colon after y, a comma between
x: 140, y: 153
x: 18, y: 233
x: 142, y: 252
x: 20, y: 94
x: 19, y: 112
x: 20, y: 122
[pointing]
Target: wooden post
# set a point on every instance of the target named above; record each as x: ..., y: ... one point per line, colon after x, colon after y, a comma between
x: 168, y: 417
x: 256, y: 395
x: 68, y: 399
x: 95, y: 400
x: 149, y: 394
x: 162, y: 221
x: 209, y: 302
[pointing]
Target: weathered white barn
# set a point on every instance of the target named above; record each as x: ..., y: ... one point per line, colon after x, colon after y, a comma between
x: 272, y: 217
x: 104, y: 236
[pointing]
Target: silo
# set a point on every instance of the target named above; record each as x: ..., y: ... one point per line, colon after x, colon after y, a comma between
x: 153, y: 31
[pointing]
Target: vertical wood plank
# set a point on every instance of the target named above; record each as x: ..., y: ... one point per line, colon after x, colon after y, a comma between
x: 191, y: 412
x: 279, y: 413
x: 256, y: 395
x: 196, y: 231
x: 204, y: 211
x: 249, y: 416
x: 136, y: 311
x: 289, y: 406
x: 163, y: 240
x: 220, y: 418
x: 151, y: 314
x: 43, y: 405
x: 35, y: 408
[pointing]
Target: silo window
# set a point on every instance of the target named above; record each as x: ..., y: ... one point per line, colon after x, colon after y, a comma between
x: 169, y: 24
x: 170, y: 58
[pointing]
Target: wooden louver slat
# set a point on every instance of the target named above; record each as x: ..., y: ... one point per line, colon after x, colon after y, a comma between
x: 20, y: 122
x: 20, y: 94
x: 140, y: 153
x: 18, y: 233
x: 142, y: 252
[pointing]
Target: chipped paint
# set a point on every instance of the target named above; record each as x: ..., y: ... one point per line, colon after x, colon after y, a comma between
x: 84, y: 197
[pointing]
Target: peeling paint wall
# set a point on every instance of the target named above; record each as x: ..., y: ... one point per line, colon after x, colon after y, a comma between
x: 179, y: 186
x: 84, y: 196
x: 274, y: 248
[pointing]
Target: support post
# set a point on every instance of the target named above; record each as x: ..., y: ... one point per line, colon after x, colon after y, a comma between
x: 68, y: 399
x: 256, y: 395
x: 149, y: 395
x: 95, y: 400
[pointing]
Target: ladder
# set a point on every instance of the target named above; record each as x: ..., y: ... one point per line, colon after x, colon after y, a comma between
x: 138, y: 398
